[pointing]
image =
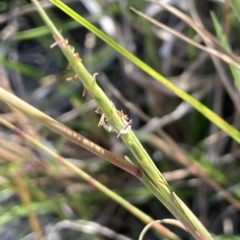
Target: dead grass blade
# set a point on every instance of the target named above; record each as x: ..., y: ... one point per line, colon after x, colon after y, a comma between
x: 226, y: 58
x: 199, y: 28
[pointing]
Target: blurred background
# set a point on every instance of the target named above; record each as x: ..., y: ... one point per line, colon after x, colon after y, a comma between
x: 66, y: 206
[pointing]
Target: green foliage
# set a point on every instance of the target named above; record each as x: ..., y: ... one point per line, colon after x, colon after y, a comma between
x: 38, y: 184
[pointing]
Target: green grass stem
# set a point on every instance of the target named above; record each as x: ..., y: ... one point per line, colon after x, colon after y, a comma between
x: 151, y: 177
x: 234, y: 133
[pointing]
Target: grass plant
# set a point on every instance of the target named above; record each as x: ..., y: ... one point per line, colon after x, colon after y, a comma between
x: 17, y: 178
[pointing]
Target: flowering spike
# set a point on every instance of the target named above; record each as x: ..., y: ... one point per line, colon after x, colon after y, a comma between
x: 104, y: 122
x: 61, y: 42
x: 69, y: 79
x: 84, y: 91
x: 94, y: 76
x: 126, y: 128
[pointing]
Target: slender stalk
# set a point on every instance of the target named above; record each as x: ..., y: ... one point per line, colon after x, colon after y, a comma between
x: 135, y: 211
x: 26, y: 199
x: 61, y: 129
x: 230, y: 130
x: 152, y: 177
